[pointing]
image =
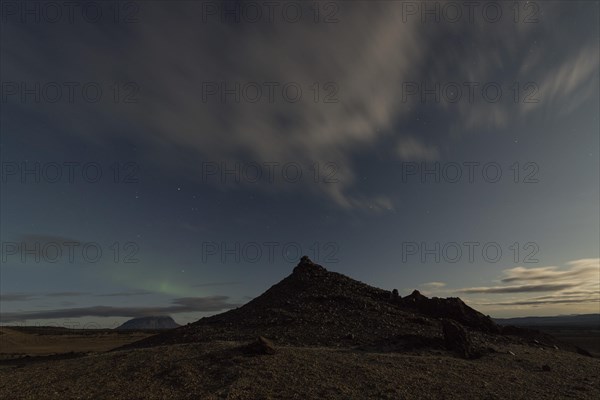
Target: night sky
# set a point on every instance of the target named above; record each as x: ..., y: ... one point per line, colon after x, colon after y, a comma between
x: 180, y: 157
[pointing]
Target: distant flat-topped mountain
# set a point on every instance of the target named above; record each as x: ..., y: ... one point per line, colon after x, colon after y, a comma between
x: 315, y: 307
x: 159, y: 322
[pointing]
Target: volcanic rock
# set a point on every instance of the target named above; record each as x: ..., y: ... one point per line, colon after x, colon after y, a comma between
x: 307, y: 268
x: 453, y: 308
x: 316, y: 307
x: 456, y: 338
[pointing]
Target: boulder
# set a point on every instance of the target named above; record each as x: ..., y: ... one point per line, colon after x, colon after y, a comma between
x: 456, y: 338
x: 261, y: 346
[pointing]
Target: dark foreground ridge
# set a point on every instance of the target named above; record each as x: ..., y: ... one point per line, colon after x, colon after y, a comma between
x: 316, y: 307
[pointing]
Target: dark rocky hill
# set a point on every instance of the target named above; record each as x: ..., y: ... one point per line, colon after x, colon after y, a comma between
x: 316, y: 307
x: 158, y: 322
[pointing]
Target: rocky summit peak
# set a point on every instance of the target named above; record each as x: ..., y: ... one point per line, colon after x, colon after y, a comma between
x: 317, y: 307
x: 414, y: 298
x: 305, y: 260
x: 307, y: 266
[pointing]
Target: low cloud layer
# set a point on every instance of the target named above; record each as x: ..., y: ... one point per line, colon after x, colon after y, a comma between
x: 16, y: 297
x: 575, y: 283
x: 434, y: 285
x: 180, y: 305
x: 520, y: 289
x: 579, y: 269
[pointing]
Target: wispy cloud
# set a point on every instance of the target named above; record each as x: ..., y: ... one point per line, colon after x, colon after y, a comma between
x: 434, y: 285
x: 574, y: 79
x: 211, y: 284
x: 34, y: 296
x: 126, y: 294
x: 16, y: 297
x: 180, y: 305
x: 368, y: 55
x: 173, y: 118
x: 412, y: 149
x: 433, y: 288
x: 579, y: 269
x: 576, y: 283
x: 66, y: 294
x: 542, y: 302
x: 520, y: 289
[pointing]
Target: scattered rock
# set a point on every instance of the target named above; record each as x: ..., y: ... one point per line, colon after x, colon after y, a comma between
x: 511, y: 353
x: 546, y: 368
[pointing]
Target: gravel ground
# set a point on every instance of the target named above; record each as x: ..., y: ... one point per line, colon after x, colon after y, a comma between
x: 219, y: 370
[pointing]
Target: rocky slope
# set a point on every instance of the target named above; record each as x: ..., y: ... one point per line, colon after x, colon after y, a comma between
x: 316, y: 307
